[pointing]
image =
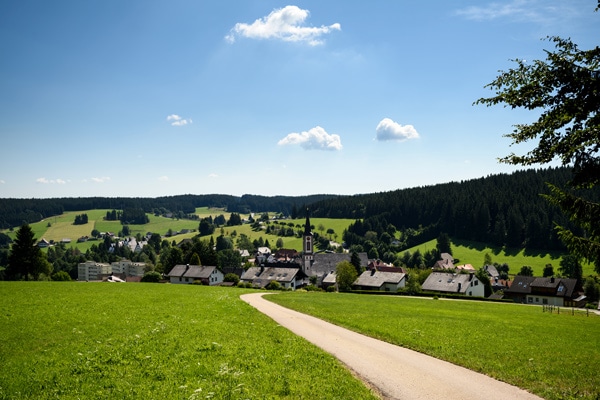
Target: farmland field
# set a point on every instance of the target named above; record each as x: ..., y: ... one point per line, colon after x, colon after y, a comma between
x: 552, y: 355
x: 153, y: 341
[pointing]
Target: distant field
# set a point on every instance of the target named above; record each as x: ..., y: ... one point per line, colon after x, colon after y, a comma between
x: 154, y: 341
x: 553, y: 355
x: 473, y: 253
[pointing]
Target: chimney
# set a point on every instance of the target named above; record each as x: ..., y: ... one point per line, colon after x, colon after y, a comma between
x: 471, y: 276
x: 459, y: 287
x: 373, y: 271
x: 187, y: 266
x: 552, y: 279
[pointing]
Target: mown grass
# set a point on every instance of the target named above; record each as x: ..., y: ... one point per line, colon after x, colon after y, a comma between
x: 152, y: 341
x: 552, y: 355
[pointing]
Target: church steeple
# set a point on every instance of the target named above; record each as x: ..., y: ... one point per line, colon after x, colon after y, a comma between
x: 307, y: 224
x: 307, y: 245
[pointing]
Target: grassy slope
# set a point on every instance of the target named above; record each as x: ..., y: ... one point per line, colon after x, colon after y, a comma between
x: 553, y: 355
x: 473, y: 253
x: 151, y: 341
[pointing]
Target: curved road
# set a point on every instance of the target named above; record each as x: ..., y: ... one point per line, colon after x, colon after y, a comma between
x: 394, y: 372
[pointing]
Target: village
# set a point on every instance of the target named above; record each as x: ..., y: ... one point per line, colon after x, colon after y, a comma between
x: 289, y: 269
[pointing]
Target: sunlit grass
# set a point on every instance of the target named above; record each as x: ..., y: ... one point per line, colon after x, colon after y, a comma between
x: 553, y: 355
x: 153, y: 341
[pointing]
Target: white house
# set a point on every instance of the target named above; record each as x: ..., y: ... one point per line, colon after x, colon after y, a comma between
x: 92, y: 271
x: 288, y: 278
x: 190, y: 273
x: 448, y: 282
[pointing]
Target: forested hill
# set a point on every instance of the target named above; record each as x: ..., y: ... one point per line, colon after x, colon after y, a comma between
x: 504, y: 209
x: 15, y: 212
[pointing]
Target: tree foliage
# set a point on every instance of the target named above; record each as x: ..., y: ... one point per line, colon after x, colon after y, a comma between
x: 345, y: 276
x: 565, y: 89
x: 26, y: 260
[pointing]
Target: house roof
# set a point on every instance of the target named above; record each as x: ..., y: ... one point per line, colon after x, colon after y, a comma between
x: 199, y: 272
x: 448, y: 282
x: 562, y: 287
x: 327, y: 262
x: 262, y: 276
x: 444, y: 264
x: 491, y: 270
x: 192, y: 271
x: 376, y: 279
x: 521, y: 285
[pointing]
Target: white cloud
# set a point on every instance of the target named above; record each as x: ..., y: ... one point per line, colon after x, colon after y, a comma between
x: 51, y: 181
x: 163, y: 178
x: 213, y: 176
x: 284, y: 24
x: 176, y: 120
x: 101, y: 180
x: 390, y: 130
x: 315, y: 139
x: 519, y: 10
x: 2, y: 181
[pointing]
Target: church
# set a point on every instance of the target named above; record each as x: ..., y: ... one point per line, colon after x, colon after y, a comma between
x: 293, y: 272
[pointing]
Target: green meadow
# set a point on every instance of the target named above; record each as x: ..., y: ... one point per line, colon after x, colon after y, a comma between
x: 468, y: 252
x: 154, y: 341
x: 554, y: 355
x: 60, y: 227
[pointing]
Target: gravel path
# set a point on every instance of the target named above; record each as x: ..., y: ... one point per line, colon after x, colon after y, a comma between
x: 394, y: 372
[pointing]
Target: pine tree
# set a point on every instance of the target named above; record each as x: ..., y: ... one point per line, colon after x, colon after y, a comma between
x: 26, y: 260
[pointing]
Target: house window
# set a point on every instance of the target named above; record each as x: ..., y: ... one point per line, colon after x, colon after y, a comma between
x: 476, y: 283
x: 537, y: 299
x: 470, y: 293
x: 530, y: 299
x: 544, y: 301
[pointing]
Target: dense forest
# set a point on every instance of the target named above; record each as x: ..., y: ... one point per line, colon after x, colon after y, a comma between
x: 15, y: 212
x: 503, y: 209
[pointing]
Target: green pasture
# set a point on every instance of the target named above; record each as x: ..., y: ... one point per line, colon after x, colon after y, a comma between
x: 468, y: 252
x: 153, y: 341
x: 552, y: 355
x: 61, y: 227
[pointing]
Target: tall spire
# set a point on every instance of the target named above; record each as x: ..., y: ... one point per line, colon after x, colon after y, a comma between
x: 307, y: 224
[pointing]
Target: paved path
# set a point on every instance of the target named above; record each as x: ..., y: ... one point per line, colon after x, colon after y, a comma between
x: 395, y: 372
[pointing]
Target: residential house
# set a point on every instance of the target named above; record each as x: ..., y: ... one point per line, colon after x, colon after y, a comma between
x: 465, y: 267
x: 287, y: 277
x: 380, y: 280
x: 43, y: 243
x: 447, y: 282
x: 93, y: 271
x: 209, y: 276
x: 562, y: 292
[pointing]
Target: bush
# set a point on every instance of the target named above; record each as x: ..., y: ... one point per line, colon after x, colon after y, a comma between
x: 273, y: 285
x: 231, y: 277
x: 152, y: 277
x: 61, y: 276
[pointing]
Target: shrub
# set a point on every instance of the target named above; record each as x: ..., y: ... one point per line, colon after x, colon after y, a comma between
x: 61, y: 276
x: 152, y: 277
x: 273, y: 285
x: 231, y: 277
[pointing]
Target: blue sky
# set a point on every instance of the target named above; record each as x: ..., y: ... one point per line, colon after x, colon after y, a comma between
x: 153, y: 98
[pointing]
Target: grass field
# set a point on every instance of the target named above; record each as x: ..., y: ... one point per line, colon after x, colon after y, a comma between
x: 62, y: 227
x: 552, y: 355
x: 473, y: 253
x: 152, y: 341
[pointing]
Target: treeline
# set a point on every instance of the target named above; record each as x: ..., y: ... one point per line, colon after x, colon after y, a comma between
x: 15, y: 212
x: 504, y: 209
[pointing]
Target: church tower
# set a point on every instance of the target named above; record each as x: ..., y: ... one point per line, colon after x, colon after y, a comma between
x: 307, y: 246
